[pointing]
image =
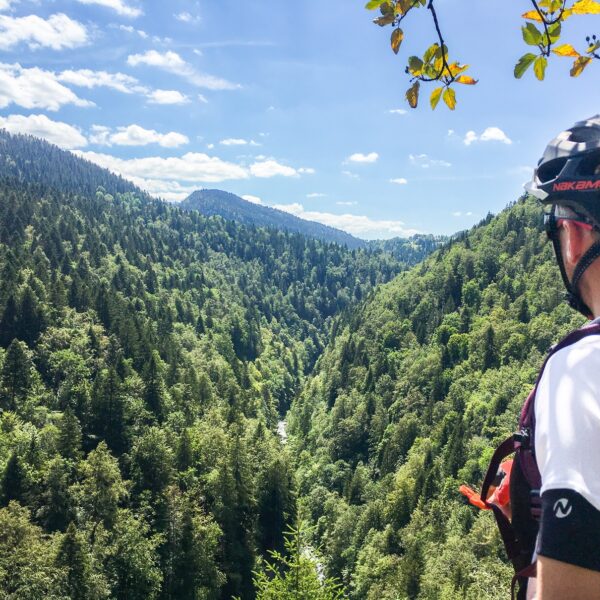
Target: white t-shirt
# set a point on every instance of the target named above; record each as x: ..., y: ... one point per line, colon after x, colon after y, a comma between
x: 567, y: 412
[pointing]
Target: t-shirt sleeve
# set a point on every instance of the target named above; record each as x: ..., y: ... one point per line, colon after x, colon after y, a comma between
x: 567, y: 445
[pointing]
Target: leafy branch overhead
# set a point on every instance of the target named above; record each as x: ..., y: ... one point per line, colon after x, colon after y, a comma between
x: 542, y: 31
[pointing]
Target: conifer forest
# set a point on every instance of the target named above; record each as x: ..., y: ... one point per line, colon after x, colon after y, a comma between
x: 197, y: 408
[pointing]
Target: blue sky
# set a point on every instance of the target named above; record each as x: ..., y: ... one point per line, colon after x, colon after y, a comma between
x: 298, y: 105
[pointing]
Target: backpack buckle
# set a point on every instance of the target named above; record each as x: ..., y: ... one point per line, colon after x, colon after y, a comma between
x: 522, y: 439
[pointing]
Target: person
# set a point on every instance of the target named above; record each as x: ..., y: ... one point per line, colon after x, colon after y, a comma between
x: 566, y: 399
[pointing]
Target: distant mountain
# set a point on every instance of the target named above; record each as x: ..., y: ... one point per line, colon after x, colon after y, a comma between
x: 232, y: 207
x: 29, y: 159
x: 412, y: 250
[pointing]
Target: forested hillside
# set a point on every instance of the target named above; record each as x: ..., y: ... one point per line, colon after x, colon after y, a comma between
x: 408, y: 402
x: 230, y: 206
x: 28, y: 159
x: 145, y: 356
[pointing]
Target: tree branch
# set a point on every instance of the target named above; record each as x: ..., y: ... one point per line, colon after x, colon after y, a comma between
x: 445, y: 66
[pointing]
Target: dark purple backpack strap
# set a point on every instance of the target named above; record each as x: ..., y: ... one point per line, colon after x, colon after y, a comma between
x: 506, y: 448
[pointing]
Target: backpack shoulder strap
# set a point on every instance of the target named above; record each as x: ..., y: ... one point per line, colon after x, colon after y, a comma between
x: 527, y: 418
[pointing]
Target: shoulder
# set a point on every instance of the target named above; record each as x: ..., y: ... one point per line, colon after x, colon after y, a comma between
x: 575, y: 365
x: 567, y: 411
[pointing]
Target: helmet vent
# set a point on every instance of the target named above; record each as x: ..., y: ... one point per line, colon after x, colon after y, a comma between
x: 590, y: 166
x: 583, y: 134
x: 551, y: 169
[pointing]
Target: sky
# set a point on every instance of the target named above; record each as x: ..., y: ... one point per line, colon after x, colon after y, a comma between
x: 296, y: 105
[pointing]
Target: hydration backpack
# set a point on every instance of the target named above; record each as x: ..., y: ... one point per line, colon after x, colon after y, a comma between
x: 518, y: 521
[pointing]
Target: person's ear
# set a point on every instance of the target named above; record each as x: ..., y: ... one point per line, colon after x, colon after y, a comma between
x: 573, y: 243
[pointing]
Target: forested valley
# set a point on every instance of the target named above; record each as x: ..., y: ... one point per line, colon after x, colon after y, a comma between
x: 149, y: 356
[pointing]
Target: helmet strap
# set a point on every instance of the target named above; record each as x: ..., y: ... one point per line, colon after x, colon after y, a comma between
x: 573, y: 296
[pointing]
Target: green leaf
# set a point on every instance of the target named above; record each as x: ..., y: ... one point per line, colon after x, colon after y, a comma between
x: 531, y: 35
x: 554, y: 32
x: 539, y: 67
x: 430, y: 52
x: 412, y: 94
x: 450, y: 98
x: 415, y: 65
x: 435, y: 97
x: 373, y: 4
x: 524, y: 63
x: 397, y: 37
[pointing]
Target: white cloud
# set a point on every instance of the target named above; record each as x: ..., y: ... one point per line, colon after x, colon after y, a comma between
x: 233, y: 142
x: 134, y: 135
x: 316, y: 195
x: 399, y: 180
x: 167, y: 97
x: 306, y: 171
x: 210, y: 146
x: 346, y: 203
x: 271, y: 168
x: 490, y: 134
x: 186, y: 17
x: 172, y: 177
x: 253, y: 199
x: 470, y: 137
x: 358, y: 157
x: 121, y: 83
x: 358, y: 225
x: 202, y: 99
x: 193, y: 167
x: 397, y: 111
x: 173, y: 63
x: 425, y: 162
x: 350, y: 174
x: 130, y: 29
x: 56, y: 132
x: 5, y: 4
x: 119, y: 6
x: 458, y: 213
x: 34, y: 88
x: 92, y: 79
x: 56, y: 32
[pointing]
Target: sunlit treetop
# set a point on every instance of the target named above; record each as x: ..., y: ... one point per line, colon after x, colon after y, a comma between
x: 542, y: 31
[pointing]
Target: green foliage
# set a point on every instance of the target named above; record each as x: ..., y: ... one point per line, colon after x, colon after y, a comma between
x: 294, y: 575
x: 421, y: 382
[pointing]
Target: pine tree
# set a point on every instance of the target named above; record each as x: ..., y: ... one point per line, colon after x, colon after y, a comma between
x: 293, y: 575
x: 9, y: 322
x: 154, y: 386
x: 72, y: 557
x: 15, y: 378
x: 13, y: 485
x: 69, y: 436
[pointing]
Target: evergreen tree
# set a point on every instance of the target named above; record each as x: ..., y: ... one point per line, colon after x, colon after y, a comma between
x: 69, y: 436
x: 13, y: 485
x: 294, y: 575
x: 15, y: 378
x: 72, y: 556
x: 154, y: 386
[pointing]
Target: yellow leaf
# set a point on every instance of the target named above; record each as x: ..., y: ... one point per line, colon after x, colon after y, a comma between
x: 565, y: 50
x: 532, y: 15
x: 397, y: 37
x: 450, y: 98
x: 435, y: 97
x: 456, y: 68
x: 466, y: 80
x: 586, y: 7
x: 412, y: 94
x: 579, y: 65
